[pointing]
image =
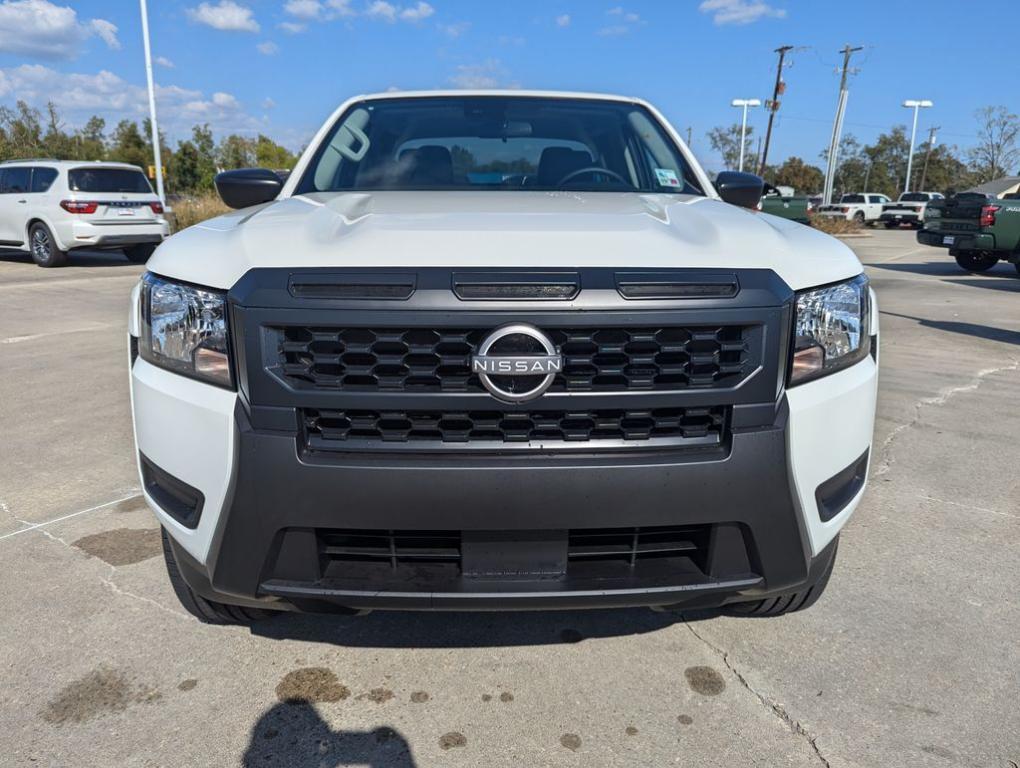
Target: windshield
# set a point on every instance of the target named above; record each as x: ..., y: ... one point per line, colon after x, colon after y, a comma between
x: 498, y: 143
x: 852, y: 199
x: 914, y: 197
x: 107, y: 180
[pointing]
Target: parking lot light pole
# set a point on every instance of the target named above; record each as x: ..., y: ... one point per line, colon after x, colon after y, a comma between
x: 152, y: 104
x: 916, y: 105
x: 745, y: 103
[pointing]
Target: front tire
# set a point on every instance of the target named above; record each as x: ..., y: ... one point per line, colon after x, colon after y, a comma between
x: 976, y: 261
x: 44, y: 248
x: 804, y: 597
x: 859, y: 218
x: 206, y: 611
x: 139, y: 254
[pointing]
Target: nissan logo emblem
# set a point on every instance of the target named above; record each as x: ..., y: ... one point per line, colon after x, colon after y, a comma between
x: 517, y: 363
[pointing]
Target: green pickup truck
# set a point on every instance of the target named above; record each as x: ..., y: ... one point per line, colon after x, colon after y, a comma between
x: 782, y: 201
x: 978, y: 229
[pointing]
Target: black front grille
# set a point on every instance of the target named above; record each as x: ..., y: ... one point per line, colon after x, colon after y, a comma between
x: 439, y: 359
x: 590, y: 552
x: 342, y: 430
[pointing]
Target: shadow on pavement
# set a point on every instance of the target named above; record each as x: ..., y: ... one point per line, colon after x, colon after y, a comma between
x: 967, y: 329
x: 295, y: 735
x: 75, y: 259
x: 422, y: 629
x: 947, y: 269
x: 1010, y: 286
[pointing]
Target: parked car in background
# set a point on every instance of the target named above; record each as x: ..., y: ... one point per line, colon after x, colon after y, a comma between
x: 52, y: 207
x: 909, y: 209
x: 814, y: 202
x: 862, y: 207
x: 979, y: 229
x: 783, y: 202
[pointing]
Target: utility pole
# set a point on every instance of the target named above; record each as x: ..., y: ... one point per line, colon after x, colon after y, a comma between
x: 689, y: 129
x: 916, y: 105
x: 152, y: 103
x: 773, y: 106
x: 837, y: 125
x: 927, y: 155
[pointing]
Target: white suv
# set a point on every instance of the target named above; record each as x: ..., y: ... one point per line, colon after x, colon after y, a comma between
x: 50, y: 207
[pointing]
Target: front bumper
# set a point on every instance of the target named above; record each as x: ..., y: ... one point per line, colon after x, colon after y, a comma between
x: 277, y: 520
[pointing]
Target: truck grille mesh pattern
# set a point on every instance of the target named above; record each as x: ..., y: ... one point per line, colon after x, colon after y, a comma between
x: 334, y: 429
x: 439, y: 359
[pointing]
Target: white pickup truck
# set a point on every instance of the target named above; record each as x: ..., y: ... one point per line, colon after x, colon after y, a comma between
x: 862, y: 207
x: 909, y: 209
x: 494, y: 350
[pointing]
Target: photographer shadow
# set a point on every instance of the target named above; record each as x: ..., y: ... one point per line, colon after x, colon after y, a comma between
x: 294, y: 734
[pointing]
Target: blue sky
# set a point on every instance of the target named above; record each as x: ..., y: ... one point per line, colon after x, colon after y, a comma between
x: 280, y: 66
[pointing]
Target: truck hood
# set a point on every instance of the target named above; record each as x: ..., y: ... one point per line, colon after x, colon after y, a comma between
x: 501, y: 229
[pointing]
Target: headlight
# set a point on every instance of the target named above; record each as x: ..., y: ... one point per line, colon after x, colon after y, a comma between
x: 831, y: 329
x: 184, y: 329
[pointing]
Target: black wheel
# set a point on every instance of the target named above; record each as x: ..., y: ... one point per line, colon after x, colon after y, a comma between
x: 976, y: 261
x: 44, y: 248
x: 206, y: 611
x: 1017, y: 265
x: 859, y: 218
x: 139, y: 254
x: 803, y: 598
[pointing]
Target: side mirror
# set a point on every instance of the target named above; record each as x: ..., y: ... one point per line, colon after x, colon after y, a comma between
x: 743, y: 189
x: 248, y: 186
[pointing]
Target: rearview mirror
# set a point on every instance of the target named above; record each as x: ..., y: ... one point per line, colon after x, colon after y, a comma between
x: 743, y: 189
x: 248, y: 186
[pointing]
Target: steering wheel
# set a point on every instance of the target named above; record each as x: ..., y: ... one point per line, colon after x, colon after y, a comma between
x: 593, y: 169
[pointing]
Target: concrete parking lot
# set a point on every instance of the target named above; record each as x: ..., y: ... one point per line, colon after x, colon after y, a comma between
x: 911, y: 658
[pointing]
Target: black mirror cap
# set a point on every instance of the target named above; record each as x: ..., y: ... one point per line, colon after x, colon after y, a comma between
x: 743, y: 189
x: 248, y: 186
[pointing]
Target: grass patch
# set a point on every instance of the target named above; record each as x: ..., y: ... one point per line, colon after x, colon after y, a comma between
x: 191, y: 210
x: 835, y: 226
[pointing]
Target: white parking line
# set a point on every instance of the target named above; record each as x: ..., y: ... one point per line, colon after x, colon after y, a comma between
x: 62, y: 332
x: 134, y: 495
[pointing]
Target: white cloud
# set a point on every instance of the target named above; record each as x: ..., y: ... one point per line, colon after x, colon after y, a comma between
x: 454, y: 30
x: 341, y: 7
x: 489, y: 74
x: 416, y: 13
x: 740, y: 11
x: 163, y: 61
x: 40, y: 29
x: 107, y: 32
x: 226, y: 15
x: 382, y: 10
x: 268, y: 48
x: 563, y: 20
x: 303, y: 9
x: 292, y: 27
x: 268, y: 103
x: 78, y: 96
x: 624, y: 22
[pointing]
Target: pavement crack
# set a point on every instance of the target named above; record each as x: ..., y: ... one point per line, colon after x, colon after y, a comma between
x: 107, y: 581
x: 944, y: 396
x: 774, y: 707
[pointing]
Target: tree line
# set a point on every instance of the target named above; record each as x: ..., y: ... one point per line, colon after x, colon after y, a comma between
x: 26, y: 132
x: 882, y: 165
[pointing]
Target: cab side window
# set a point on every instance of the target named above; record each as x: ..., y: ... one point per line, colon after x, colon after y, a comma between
x: 43, y: 178
x: 14, y: 180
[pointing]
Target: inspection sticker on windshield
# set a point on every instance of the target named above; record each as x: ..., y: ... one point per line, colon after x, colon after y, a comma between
x: 666, y: 177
